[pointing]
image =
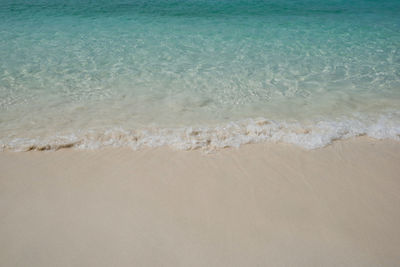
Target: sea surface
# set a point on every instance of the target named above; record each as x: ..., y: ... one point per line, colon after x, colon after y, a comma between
x: 197, y: 74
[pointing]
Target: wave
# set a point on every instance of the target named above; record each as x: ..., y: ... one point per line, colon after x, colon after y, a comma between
x: 311, y: 135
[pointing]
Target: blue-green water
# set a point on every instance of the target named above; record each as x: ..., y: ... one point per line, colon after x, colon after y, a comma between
x: 198, y: 73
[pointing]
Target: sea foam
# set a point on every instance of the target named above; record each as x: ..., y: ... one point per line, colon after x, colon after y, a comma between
x: 233, y: 134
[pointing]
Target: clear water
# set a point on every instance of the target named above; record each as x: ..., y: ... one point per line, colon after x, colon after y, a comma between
x: 197, y: 73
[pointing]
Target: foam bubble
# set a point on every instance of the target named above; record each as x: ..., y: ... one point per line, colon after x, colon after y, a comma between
x: 233, y: 134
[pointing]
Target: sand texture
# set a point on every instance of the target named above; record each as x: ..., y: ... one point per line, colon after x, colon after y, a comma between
x: 259, y: 205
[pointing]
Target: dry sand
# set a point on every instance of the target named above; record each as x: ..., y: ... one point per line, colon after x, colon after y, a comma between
x: 259, y: 205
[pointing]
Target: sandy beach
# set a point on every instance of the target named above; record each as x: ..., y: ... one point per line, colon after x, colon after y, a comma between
x: 259, y: 205
x: 211, y: 133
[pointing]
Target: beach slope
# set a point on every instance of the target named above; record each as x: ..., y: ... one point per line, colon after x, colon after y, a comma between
x: 259, y: 205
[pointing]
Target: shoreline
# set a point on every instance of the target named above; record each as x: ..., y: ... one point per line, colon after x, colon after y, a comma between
x: 259, y: 204
x: 308, y: 135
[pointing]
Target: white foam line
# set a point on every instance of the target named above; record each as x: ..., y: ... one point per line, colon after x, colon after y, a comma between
x: 233, y: 134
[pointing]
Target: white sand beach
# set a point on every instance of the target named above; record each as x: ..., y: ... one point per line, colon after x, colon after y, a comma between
x: 259, y: 205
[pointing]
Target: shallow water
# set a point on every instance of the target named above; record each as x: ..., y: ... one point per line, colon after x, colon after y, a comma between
x: 198, y: 73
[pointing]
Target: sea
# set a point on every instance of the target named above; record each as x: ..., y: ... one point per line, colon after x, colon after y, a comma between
x: 197, y: 74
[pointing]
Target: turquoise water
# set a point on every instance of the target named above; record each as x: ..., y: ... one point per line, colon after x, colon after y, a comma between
x: 197, y: 74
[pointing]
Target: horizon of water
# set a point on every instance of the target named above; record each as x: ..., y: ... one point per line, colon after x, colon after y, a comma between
x: 197, y: 73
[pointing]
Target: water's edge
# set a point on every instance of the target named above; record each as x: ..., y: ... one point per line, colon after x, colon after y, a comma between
x: 233, y: 134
